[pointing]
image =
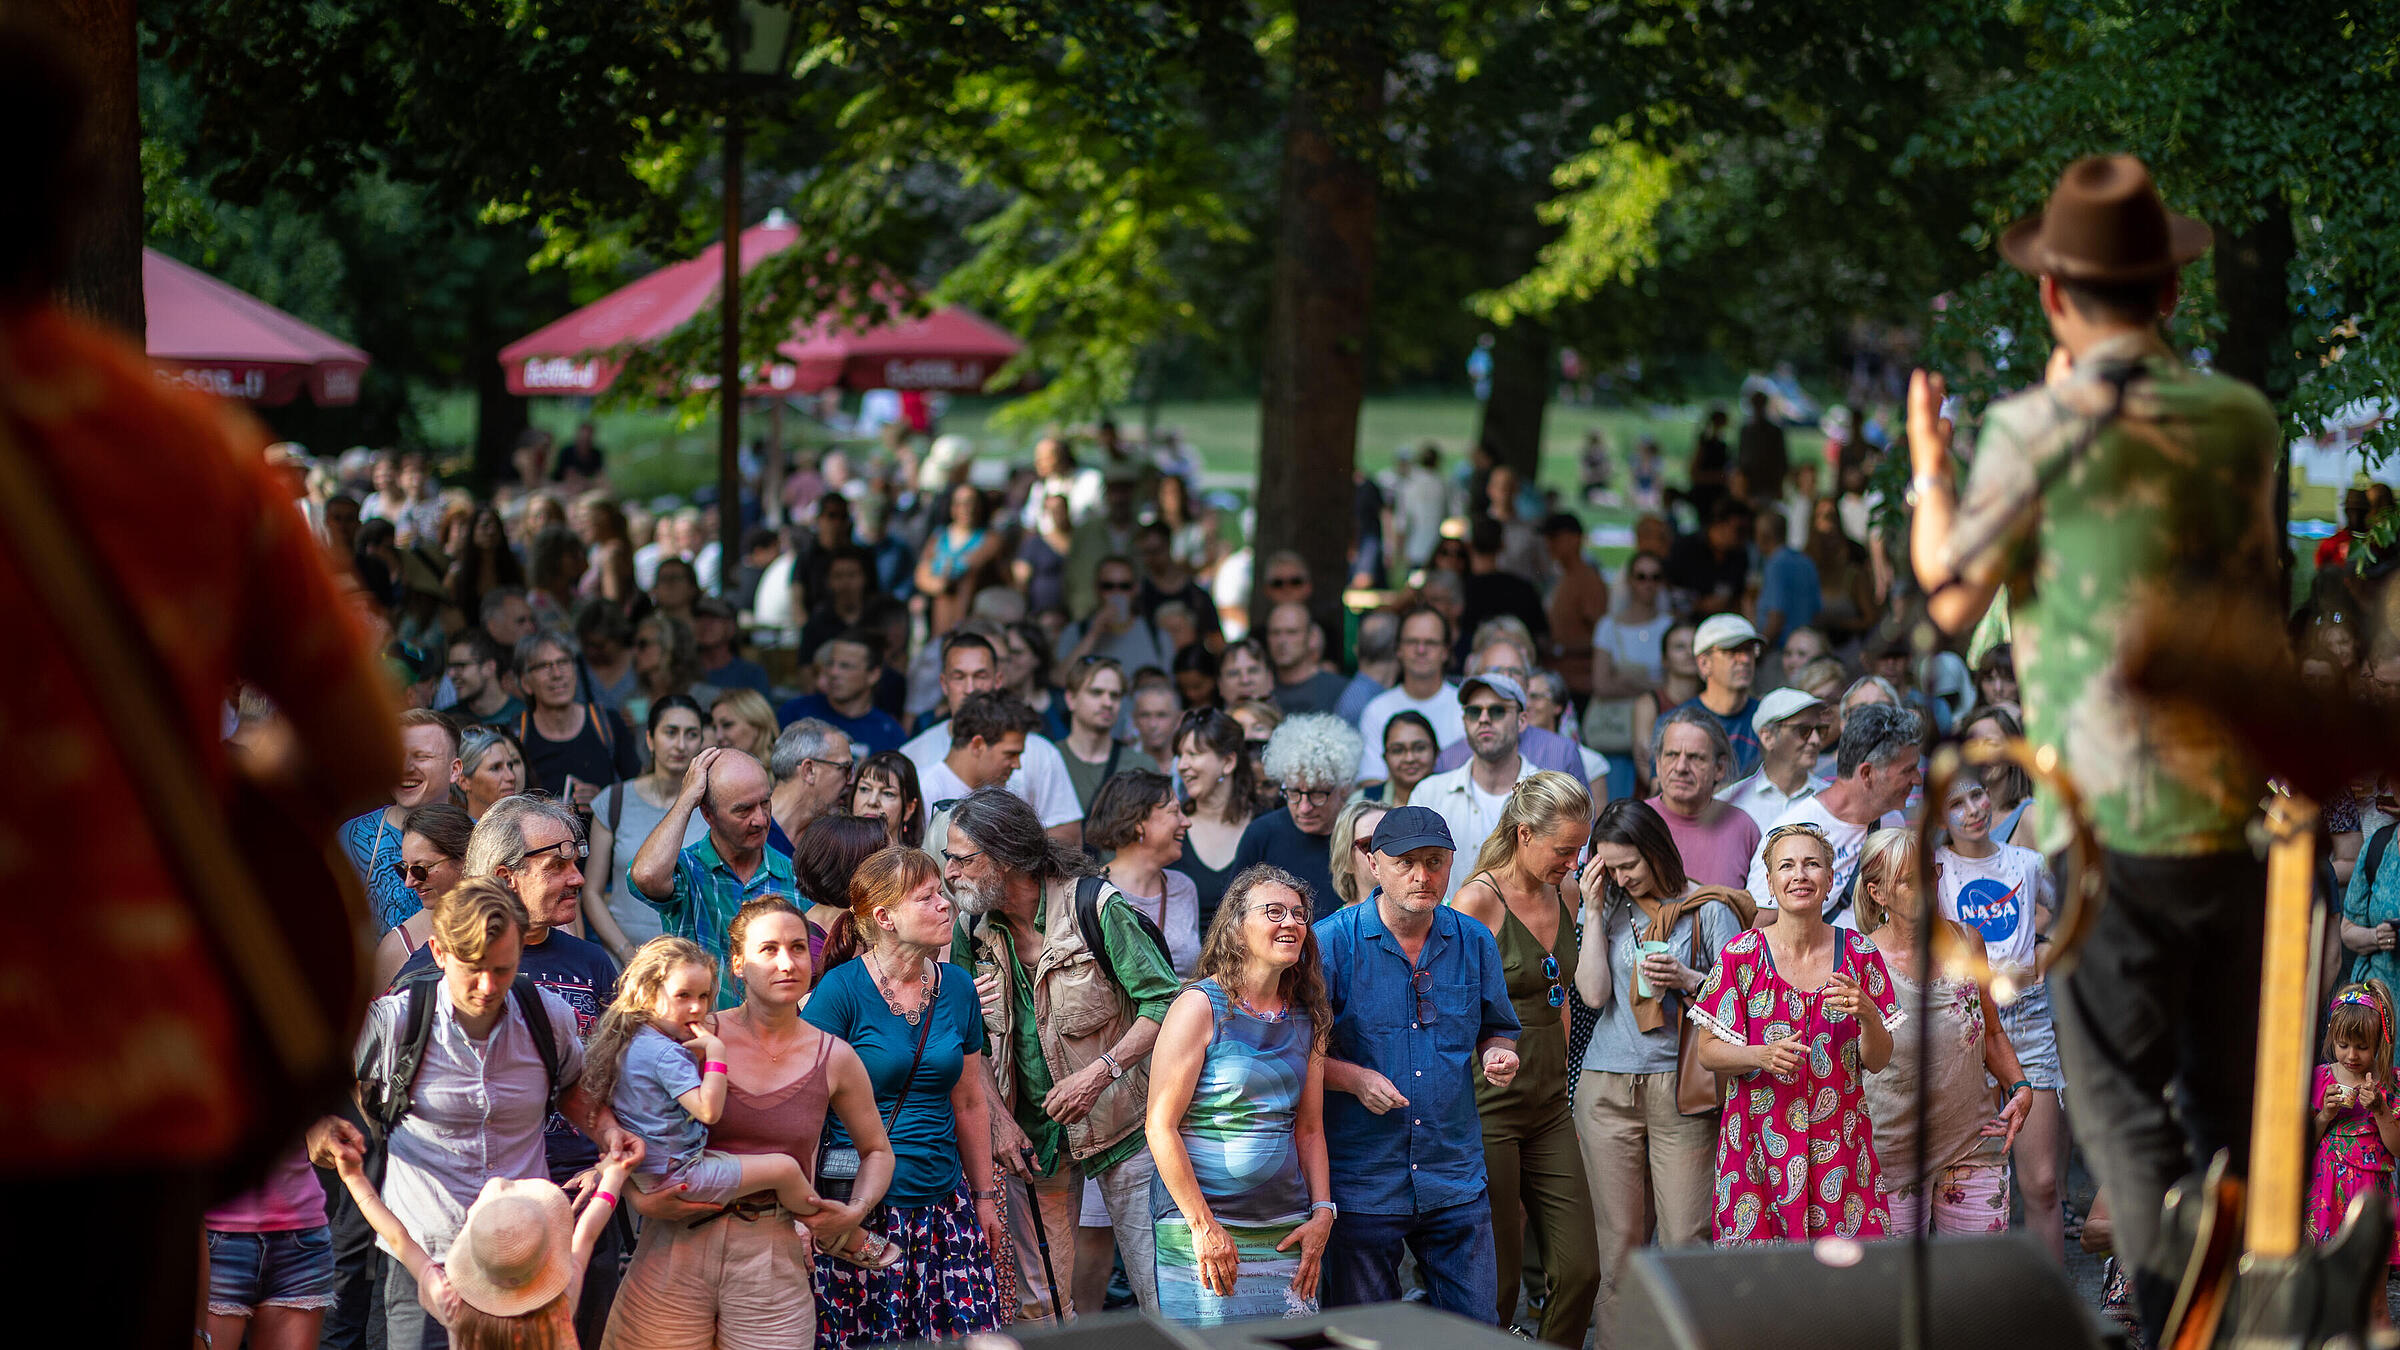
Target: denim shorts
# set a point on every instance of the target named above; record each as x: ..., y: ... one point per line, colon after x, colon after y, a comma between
x: 288, y: 1269
x: 2034, y: 1036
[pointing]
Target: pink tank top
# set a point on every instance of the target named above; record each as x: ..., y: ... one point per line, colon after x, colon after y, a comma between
x: 787, y: 1120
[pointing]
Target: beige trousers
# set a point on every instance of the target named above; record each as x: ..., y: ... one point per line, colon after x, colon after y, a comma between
x: 1642, y: 1156
x: 1126, y: 1190
x: 732, y: 1284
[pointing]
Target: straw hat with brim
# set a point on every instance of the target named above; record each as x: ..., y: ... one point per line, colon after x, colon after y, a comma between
x: 512, y: 1254
x: 2105, y: 223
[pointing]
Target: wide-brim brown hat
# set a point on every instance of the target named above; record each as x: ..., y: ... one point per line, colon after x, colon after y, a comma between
x: 2105, y: 223
x: 514, y: 1252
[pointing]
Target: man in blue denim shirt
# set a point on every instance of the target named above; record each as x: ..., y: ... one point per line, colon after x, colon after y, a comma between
x: 1419, y: 1002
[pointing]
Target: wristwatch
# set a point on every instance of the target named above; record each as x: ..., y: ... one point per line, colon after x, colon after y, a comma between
x: 1923, y: 483
x: 1327, y: 1205
x: 1115, y: 1070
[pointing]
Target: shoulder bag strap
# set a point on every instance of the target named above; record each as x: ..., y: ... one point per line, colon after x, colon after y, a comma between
x: 131, y: 693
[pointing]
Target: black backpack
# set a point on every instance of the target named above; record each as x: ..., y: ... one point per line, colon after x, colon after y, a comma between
x: 1087, y: 922
x: 385, y: 1103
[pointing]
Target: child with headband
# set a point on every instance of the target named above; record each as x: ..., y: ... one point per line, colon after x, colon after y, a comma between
x: 2357, y: 1118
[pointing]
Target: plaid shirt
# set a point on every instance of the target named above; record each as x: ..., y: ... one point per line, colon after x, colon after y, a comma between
x: 707, y: 894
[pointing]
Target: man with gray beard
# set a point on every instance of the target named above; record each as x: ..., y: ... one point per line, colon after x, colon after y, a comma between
x: 1070, y: 1032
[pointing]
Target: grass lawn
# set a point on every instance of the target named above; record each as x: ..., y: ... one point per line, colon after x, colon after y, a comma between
x: 652, y: 455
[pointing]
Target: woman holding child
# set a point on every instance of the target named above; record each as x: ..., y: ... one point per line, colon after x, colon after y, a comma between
x: 738, y: 1276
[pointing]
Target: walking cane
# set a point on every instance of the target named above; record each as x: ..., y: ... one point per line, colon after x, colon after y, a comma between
x: 1041, y: 1240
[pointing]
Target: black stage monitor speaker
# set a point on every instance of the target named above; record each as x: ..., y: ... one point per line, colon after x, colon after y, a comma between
x: 1987, y: 1293
x: 1382, y: 1326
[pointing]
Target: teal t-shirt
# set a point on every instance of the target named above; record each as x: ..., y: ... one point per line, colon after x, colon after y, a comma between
x: 925, y: 1135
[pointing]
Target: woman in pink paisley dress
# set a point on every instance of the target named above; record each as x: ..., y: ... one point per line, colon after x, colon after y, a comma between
x: 1801, y: 1011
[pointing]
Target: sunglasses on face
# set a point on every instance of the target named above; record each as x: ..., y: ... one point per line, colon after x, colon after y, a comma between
x: 1646, y: 576
x: 1116, y: 585
x: 413, y: 874
x: 1487, y: 712
x: 1285, y: 583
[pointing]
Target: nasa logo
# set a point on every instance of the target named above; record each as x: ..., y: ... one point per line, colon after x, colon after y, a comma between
x: 1990, y: 908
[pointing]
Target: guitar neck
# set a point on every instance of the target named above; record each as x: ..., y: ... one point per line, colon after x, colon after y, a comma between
x: 2278, y: 1113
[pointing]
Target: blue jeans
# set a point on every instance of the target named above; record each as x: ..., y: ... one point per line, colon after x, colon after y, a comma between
x: 1454, y: 1254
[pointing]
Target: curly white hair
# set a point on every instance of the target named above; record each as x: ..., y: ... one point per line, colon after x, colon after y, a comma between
x: 1316, y: 750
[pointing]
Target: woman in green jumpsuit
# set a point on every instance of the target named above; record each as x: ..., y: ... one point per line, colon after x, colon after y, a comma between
x: 1529, y: 1142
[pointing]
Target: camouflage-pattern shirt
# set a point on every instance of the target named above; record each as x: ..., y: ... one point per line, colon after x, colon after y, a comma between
x: 2176, y: 493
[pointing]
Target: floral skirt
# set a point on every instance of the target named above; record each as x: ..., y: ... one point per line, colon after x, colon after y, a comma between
x: 944, y: 1285
x: 1262, y: 1283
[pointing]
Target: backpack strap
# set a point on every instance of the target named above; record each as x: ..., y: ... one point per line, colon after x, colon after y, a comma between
x: 1087, y: 922
x: 389, y: 1103
x: 2377, y: 847
x: 537, y: 1025
x: 1116, y: 752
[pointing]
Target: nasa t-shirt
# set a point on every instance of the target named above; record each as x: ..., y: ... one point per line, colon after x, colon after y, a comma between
x: 1997, y: 897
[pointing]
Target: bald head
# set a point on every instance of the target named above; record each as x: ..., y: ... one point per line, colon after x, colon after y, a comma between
x: 736, y: 805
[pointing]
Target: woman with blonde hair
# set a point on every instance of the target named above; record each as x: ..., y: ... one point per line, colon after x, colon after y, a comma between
x: 739, y: 719
x: 1353, y: 839
x: 1967, y: 1129
x: 1529, y: 1146
x: 1801, y: 1011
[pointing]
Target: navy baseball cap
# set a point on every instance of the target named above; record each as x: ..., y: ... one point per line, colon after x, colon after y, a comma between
x: 1407, y: 828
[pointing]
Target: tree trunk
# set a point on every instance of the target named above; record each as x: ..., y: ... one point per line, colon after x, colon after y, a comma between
x: 1314, y: 372
x: 104, y: 274
x: 1522, y: 382
x: 2254, y: 287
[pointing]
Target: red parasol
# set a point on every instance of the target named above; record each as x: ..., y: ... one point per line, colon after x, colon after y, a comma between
x: 951, y: 349
x: 219, y: 340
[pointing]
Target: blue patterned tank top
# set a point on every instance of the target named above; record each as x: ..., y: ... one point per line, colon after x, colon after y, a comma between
x: 1238, y: 1129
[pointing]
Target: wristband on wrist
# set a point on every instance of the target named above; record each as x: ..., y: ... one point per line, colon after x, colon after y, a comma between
x: 1924, y: 483
x: 714, y: 1066
x: 2020, y: 1084
x: 992, y: 1194
x: 609, y: 1196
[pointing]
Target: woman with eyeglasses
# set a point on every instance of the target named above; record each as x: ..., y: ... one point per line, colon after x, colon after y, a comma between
x: 490, y: 766
x: 1529, y: 1147
x: 625, y: 813
x: 1628, y: 663
x: 433, y: 838
x: 1220, y: 792
x: 1243, y: 1201
x: 1409, y: 753
x: 1646, y: 939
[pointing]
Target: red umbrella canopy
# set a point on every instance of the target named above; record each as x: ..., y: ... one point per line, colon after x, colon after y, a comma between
x: 951, y: 349
x: 219, y: 340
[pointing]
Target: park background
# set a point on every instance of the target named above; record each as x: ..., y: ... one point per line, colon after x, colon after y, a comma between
x: 1279, y: 226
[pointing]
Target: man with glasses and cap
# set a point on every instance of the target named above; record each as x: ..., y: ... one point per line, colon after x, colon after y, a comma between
x: 1727, y: 648
x: 697, y: 890
x: 1420, y: 1010
x: 1793, y: 727
x: 1469, y: 798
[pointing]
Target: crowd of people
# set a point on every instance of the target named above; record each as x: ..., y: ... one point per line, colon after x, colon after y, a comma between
x: 993, y: 883
x: 981, y: 904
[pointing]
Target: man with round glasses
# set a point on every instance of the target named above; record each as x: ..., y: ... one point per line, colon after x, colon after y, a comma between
x: 1420, y: 1012
x: 1314, y: 759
